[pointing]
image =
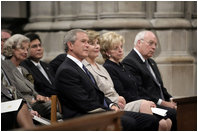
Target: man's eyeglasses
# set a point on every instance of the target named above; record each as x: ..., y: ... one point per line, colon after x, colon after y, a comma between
x: 149, y: 42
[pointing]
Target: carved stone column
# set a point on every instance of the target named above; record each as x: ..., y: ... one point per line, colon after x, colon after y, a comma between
x: 174, y: 22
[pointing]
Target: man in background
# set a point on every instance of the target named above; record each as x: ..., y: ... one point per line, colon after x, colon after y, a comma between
x: 43, y: 75
x: 5, y: 34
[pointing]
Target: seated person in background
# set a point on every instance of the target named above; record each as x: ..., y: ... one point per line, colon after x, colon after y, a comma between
x: 56, y: 62
x: 105, y: 83
x: 16, y: 48
x: 15, y: 119
x: 42, y: 74
x: 78, y: 92
x: 124, y: 82
x: 139, y: 63
x: 5, y: 34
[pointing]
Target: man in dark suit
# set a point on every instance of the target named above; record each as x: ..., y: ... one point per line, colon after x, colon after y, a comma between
x: 43, y: 75
x: 145, y: 70
x: 78, y: 92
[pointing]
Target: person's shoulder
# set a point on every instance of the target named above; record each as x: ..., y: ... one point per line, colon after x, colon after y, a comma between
x: 66, y: 64
x: 44, y: 63
x: 60, y: 57
x: 152, y: 60
x: 26, y: 62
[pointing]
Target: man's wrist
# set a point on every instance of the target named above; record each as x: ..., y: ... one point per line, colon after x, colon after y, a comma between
x: 159, y: 101
x: 114, y: 104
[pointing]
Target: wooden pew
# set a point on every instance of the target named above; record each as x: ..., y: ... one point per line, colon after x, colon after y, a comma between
x: 109, y: 121
x: 54, y: 104
x: 54, y: 100
x: 186, y: 113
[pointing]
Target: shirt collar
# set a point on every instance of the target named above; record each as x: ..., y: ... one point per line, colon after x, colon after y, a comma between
x: 35, y: 63
x: 142, y: 58
x: 79, y: 63
x: 2, y: 57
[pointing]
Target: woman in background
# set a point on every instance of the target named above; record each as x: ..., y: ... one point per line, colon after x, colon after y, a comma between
x: 16, y: 50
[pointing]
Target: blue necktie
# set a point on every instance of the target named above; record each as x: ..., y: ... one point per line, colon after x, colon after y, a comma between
x: 89, y: 74
x: 93, y: 80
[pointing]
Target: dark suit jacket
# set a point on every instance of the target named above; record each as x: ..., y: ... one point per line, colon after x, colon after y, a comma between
x: 77, y: 93
x: 124, y: 82
x: 56, y: 62
x: 148, y: 88
x: 41, y: 84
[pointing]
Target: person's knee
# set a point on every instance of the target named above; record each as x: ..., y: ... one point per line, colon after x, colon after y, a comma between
x: 163, y: 125
x: 128, y: 124
x: 169, y: 124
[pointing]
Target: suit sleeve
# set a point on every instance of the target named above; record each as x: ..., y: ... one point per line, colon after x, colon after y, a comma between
x: 118, y: 85
x: 70, y: 88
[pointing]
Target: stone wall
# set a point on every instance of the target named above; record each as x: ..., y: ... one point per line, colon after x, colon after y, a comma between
x: 174, y: 22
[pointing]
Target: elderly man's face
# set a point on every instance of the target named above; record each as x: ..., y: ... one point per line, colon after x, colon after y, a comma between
x: 4, y: 37
x: 80, y: 47
x: 148, y: 45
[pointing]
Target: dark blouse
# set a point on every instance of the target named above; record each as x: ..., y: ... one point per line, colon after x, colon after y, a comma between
x: 124, y: 81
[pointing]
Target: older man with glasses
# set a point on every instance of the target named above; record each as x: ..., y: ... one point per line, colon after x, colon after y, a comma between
x: 146, y: 72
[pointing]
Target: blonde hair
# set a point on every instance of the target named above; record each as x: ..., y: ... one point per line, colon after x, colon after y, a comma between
x: 108, y: 41
x: 93, y: 35
x: 14, y: 42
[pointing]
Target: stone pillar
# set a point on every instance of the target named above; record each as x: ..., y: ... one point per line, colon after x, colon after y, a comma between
x: 174, y: 23
x: 41, y: 11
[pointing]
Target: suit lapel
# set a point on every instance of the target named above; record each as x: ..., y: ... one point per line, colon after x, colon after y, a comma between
x: 153, y: 66
x: 82, y: 73
x: 47, y: 70
x: 99, y: 72
x: 38, y: 73
x: 143, y: 65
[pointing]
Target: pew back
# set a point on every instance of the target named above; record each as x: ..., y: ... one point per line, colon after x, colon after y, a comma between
x: 105, y: 121
x: 186, y: 113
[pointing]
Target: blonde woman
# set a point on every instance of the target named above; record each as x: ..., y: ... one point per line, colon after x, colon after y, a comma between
x: 125, y: 84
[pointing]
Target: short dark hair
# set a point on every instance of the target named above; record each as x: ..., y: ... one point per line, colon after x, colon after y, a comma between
x: 33, y: 36
x: 7, y: 31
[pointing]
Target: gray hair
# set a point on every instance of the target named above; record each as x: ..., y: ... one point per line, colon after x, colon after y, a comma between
x: 12, y: 43
x: 139, y: 36
x: 71, y: 37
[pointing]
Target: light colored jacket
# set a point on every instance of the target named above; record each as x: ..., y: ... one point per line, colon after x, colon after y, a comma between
x: 105, y: 84
x: 103, y: 81
x: 25, y: 87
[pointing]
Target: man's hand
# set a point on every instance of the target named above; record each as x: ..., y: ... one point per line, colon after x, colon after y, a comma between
x: 114, y: 107
x: 170, y: 104
x: 146, y: 106
x: 121, y: 102
x: 34, y: 113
